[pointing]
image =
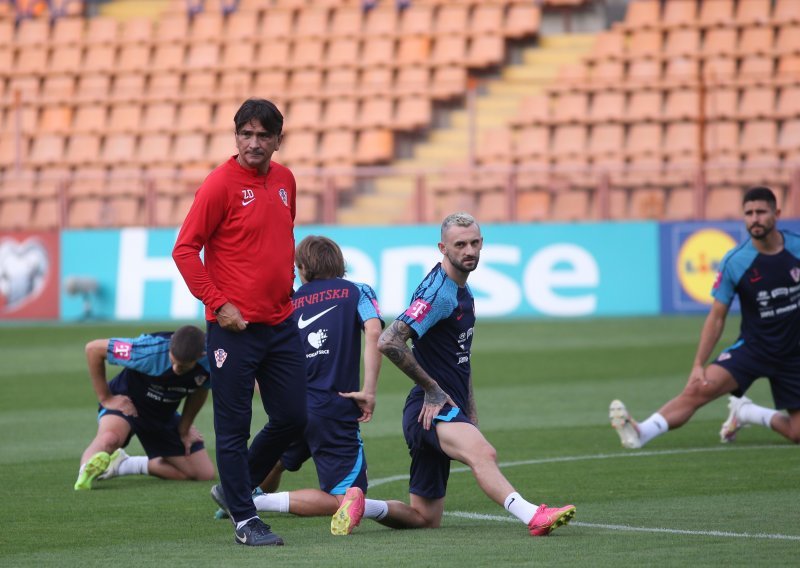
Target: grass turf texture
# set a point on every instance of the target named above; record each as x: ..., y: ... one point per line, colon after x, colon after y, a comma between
x: 543, y: 390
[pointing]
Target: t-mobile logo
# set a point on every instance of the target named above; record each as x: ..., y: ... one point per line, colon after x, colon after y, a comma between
x: 418, y: 310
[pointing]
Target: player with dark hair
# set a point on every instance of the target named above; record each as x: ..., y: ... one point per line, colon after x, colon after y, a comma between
x: 764, y: 272
x: 440, y: 417
x: 242, y: 218
x: 160, y: 370
x: 330, y: 312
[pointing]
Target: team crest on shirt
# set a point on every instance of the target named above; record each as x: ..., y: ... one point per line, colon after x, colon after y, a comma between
x: 795, y: 272
x: 284, y: 196
x: 724, y: 356
x: 219, y: 356
x: 199, y: 379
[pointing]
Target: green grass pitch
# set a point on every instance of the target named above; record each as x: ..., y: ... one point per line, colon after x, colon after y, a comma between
x: 542, y: 389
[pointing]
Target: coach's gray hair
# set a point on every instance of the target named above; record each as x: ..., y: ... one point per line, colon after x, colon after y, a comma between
x: 460, y: 219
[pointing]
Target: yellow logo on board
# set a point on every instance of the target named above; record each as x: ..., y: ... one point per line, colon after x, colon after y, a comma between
x: 698, y: 262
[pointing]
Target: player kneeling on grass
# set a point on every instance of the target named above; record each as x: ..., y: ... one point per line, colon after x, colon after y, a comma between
x: 159, y: 370
x: 764, y: 272
x: 330, y: 313
x: 440, y: 417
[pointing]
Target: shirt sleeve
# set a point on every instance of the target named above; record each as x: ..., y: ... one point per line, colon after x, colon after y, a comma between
x: 430, y: 304
x: 724, y: 288
x: 206, y: 213
x: 147, y: 354
x: 368, y: 304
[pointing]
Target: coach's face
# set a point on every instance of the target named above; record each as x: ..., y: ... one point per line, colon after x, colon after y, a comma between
x: 256, y: 145
x: 759, y: 218
x: 462, y: 247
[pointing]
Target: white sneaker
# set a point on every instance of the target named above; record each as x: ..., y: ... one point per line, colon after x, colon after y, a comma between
x: 733, y: 424
x: 112, y: 470
x: 622, y: 422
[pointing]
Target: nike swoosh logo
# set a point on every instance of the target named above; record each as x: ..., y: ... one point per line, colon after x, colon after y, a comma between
x: 302, y: 324
x: 248, y: 202
x: 242, y: 539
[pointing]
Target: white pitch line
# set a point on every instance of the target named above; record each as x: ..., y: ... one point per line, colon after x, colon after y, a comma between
x: 629, y: 454
x: 627, y: 528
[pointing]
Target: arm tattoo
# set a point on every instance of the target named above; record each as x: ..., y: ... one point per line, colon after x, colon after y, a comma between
x: 393, y: 344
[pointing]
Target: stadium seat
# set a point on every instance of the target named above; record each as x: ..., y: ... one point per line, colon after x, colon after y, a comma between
x: 680, y: 13
x: 374, y: 146
x: 785, y: 12
x: 569, y: 107
x: 159, y: 117
x: 133, y: 58
x: 757, y: 103
x: 190, y: 149
x: 55, y: 119
x: 644, y: 106
x: 532, y: 142
x: 346, y: 22
x: 789, y: 137
x: 682, y: 104
x: 645, y: 43
x: 307, y: 54
x: 522, y: 20
x: 340, y: 113
x: 417, y: 19
x: 304, y: 114
x: 643, y: 14
x: 682, y: 41
x: 102, y: 30
x: 413, y: 113
x: 164, y: 87
x: 606, y: 140
x: 376, y: 112
x: 753, y: 13
x: 724, y: 203
x: 679, y: 204
x: 644, y: 139
x: 722, y: 138
x: 485, y: 51
x: 716, y: 13
x: 720, y: 42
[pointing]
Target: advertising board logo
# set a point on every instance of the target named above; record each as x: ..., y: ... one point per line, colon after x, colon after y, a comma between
x: 698, y: 262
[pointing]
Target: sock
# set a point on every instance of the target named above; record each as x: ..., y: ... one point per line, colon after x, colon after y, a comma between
x: 519, y: 507
x: 374, y: 509
x: 134, y: 465
x: 274, y: 502
x: 240, y: 524
x: 754, y: 414
x: 652, y: 427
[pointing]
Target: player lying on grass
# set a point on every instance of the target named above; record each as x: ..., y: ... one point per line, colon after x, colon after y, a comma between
x: 159, y: 370
x: 764, y: 272
x: 331, y: 313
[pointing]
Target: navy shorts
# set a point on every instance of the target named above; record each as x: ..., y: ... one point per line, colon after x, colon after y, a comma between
x: 159, y: 439
x: 337, y: 451
x: 430, y: 466
x: 741, y: 361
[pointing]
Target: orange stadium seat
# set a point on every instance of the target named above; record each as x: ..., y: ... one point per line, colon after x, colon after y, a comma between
x: 753, y: 13
x: 682, y: 41
x: 374, y: 146
x: 680, y: 13
x: 642, y: 14
x: 413, y: 113
x: 102, y: 30
x: 721, y: 41
x: 716, y: 13
x: 100, y: 58
x: 785, y: 12
x: 376, y: 112
x: 133, y: 58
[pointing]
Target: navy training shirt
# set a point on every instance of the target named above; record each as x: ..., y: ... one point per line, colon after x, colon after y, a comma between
x: 442, y: 317
x: 148, y: 379
x: 768, y: 287
x: 330, y: 315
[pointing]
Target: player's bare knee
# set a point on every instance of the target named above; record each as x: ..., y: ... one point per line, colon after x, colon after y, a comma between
x: 111, y: 440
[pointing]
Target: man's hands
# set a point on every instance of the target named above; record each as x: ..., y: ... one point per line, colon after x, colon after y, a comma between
x: 365, y: 401
x: 190, y: 437
x: 229, y: 317
x: 435, y: 399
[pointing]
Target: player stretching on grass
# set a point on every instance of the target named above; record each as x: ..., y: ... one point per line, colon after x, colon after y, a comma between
x: 764, y: 272
x: 330, y: 313
x: 160, y: 370
x: 440, y: 418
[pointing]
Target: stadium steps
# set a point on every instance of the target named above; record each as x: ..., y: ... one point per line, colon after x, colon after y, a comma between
x: 392, y: 199
x: 127, y: 9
